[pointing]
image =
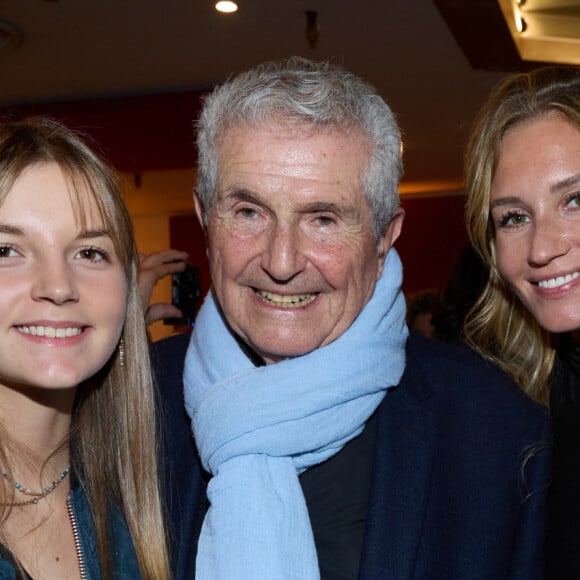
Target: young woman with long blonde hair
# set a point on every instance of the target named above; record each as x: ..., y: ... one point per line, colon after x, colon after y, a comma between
x: 79, y: 495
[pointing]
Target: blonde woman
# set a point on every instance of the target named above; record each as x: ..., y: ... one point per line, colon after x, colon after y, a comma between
x: 78, y: 488
x: 523, y: 212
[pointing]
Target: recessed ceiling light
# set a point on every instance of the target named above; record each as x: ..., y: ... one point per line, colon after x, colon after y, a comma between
x: 226, y: 6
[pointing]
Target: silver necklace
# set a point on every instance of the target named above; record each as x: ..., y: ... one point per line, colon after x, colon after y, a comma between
x: 37, y: 495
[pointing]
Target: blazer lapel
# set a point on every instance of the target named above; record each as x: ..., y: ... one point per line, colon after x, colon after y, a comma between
x: 404, y: 452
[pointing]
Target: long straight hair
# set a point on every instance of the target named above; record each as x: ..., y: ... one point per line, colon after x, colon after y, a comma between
x: 113, y: 440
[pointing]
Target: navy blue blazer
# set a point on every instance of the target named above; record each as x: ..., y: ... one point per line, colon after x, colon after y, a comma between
x: 460, y: 473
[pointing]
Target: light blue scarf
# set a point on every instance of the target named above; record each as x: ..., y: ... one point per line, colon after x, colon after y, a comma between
x: 257, y: 428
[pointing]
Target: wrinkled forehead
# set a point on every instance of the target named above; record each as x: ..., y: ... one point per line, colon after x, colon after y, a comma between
x: 290, y: 132
x: 290, y: 127
x: 289, y: 150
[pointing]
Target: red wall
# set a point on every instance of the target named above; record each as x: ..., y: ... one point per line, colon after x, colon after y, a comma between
x: 136, y: 133
x: 433, y: 235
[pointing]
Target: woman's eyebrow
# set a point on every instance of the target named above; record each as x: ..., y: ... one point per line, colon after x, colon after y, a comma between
x: 564, y: 183
x: 8, y: 229
x: 504, y: 201
x: 100, y: 233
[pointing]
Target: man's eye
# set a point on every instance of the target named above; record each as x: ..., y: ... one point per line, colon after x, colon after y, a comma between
x: 325, y: 220
x: 247, y: 212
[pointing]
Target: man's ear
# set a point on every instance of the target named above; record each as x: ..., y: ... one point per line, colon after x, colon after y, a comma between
x: 390, y: 236
x: 199, y: 211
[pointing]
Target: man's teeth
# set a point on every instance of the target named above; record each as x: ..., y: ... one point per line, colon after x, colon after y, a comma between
x: 559, y: 281
x: 50, y: 332
x: 286, y: 300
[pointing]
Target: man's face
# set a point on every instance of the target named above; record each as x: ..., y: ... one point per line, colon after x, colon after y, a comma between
x: 291, y: 248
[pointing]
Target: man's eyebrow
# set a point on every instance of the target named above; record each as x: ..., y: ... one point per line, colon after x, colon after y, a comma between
x: 329, y: 206
x: 241, y: 194
x: 564, y: 183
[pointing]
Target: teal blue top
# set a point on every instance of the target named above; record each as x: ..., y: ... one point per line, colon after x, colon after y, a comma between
x: 123, y: 556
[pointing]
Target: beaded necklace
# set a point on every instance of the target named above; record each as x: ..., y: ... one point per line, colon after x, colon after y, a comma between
x: 37, y: 494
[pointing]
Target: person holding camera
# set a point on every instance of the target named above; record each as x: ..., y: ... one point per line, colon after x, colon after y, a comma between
x: 152, y: 268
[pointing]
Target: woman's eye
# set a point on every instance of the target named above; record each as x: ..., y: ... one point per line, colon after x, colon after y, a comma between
x: 92, y: 255
x: 513, y: 219
x: 7, y: 252
x: 574, y: 200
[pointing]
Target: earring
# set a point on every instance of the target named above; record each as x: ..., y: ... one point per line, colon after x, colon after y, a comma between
x: 121, y: 353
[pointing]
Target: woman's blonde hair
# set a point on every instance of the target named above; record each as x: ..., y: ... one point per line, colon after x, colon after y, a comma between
x: 499, y: 325
x: 113, y: 439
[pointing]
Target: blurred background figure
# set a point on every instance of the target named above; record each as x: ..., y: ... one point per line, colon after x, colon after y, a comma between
x: 466, y: 282
x: 421, y: 307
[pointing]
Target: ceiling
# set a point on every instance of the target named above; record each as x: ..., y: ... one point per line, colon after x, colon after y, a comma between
x: 544, y: 29
x: 136, y: 67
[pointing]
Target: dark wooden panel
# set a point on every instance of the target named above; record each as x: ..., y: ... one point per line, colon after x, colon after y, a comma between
x: 135, y: 133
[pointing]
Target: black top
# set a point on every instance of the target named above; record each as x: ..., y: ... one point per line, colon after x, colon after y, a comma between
x: 563, y: 529
x: 337, y: 496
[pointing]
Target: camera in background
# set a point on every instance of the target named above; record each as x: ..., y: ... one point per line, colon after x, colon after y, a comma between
x: 185, y: 295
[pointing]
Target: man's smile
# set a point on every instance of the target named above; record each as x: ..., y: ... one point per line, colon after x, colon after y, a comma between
x: 286, y: 300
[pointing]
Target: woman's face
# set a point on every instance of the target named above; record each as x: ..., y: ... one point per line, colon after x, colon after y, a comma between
x: 535, y: 208
x: 62, y: 287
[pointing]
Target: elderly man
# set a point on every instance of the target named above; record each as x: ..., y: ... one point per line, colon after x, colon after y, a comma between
x: 326, y: 443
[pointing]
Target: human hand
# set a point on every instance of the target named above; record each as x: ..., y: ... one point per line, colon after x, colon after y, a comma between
x: 152, y: 268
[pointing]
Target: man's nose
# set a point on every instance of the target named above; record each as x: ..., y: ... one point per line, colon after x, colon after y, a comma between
x: 284, y: 258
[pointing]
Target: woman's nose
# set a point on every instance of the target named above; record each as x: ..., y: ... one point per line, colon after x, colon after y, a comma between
x: 54, y: 281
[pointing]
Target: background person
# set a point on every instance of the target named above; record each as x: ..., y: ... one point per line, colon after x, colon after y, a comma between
x: 317, y: 456
x: 152, y: 268
x: 523, y: 210
x: 79, y: 492
x: 422, y: 306
x: 466, y: 281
